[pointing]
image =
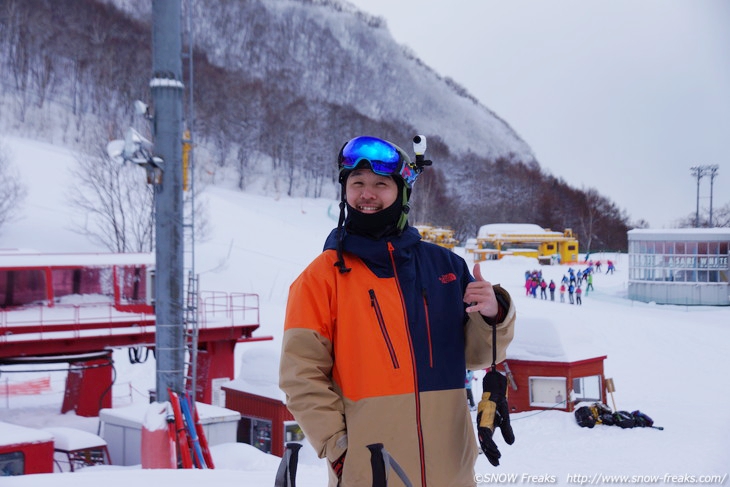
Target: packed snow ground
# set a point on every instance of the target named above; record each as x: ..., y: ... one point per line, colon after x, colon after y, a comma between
x: 668, y: 361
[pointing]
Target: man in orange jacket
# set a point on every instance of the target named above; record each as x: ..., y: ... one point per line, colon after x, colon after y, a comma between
x: 380, y: 328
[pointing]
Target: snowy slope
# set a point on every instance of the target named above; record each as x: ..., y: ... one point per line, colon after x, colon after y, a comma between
x: 668, y: 361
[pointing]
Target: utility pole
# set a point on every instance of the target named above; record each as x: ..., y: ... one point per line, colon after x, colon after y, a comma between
x: 167, y: 97
x: 699, y: 172
x: 713, y: 172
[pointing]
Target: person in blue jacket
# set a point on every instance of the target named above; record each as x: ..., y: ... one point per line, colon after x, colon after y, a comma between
x: 467, y: 385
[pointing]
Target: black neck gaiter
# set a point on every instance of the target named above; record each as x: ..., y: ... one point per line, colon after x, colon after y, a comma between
x: 374, y: 225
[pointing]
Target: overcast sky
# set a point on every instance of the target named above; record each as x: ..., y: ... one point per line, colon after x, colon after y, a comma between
x: 624, y: 96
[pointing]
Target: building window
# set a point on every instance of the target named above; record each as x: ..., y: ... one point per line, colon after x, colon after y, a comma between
x: 12, y: 463
x: 701, y: 261
x: 548, y: 392
x: 22, y: 287
x: 587, y: 389
x: 255, y: 432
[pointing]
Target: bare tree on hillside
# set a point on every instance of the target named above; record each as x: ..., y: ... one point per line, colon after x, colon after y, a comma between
x: 591, y: 212
x: 12, y: 190
x: 720, y: 218
x: 116, y: 203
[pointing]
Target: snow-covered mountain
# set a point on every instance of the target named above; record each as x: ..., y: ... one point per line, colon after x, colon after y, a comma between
x: 326, y: 49
x: 276, y: 88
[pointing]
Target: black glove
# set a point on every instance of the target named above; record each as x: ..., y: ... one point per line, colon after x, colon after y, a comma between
x: 493, y: 413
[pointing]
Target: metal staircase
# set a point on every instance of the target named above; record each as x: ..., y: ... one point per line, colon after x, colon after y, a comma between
x: 191, y: 335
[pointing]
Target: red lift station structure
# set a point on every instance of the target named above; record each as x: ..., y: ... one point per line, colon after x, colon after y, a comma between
x: 77, y: 308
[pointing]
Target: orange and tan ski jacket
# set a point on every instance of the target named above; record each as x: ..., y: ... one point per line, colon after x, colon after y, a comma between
x: 378, y: 355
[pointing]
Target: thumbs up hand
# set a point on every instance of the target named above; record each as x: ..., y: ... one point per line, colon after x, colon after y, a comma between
x: 479, y: 295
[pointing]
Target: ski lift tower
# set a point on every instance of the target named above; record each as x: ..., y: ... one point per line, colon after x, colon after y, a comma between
x: 167, y: 129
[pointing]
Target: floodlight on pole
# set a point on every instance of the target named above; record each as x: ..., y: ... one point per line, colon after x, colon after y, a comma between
x: 712, y: 169
x: 698, y: 172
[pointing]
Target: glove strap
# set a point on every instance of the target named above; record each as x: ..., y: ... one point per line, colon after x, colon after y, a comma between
x: 494, y: 347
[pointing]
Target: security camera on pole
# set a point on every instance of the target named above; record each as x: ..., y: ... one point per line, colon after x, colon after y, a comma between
x: 162, y: 160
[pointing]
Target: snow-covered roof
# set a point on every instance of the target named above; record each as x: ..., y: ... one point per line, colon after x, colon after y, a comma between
x: 713, y: 234
x: 541, y: 339
x: 13, y: 434
x: 513, y: 229
x: 72, y: 439
x: 32, y: 258
x: 136, y: 415
x: 259, y: 374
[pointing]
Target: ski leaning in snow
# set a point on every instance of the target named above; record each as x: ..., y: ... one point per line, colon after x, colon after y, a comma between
x: 207, y: 456
x: 190, y: 437
x: 181, y: 435
x: 198, y: 458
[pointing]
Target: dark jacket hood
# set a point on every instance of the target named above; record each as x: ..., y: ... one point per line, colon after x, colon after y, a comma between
x: 375, y: 252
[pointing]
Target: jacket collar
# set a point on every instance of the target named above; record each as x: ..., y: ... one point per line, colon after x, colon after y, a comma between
x: 375, y: 252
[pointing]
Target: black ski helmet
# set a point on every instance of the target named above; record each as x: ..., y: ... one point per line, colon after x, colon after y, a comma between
x: 384, y: 158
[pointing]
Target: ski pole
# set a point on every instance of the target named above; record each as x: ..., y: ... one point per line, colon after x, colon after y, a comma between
x: 381, y: 461
x: 286, y: 475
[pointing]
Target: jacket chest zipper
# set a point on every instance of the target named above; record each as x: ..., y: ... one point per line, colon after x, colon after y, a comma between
x: 417, y: 393
x: 428, y: 329
x: 383, y: 329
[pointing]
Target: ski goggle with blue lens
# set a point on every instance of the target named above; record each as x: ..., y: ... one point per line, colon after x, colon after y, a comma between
x: 383, y: 157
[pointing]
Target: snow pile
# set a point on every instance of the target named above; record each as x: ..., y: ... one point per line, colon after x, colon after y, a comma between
x: 259, y: 374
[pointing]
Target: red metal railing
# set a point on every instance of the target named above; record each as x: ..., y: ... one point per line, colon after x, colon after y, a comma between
x: 69, y: 321
x: 219, y: 308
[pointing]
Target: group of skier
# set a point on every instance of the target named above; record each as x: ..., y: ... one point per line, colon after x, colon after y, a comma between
x: 572, y: 283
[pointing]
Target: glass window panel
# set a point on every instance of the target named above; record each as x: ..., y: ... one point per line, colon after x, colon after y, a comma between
x: 548, y: 391
x: 12, y: 463
x: 587, y: 388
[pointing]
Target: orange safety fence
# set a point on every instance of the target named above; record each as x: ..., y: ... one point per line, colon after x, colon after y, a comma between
x: 25, y: 388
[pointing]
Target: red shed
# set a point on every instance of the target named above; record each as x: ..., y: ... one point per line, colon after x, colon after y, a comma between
x: 24, y: 450
x: 553, y: 366
x: 265, y: 422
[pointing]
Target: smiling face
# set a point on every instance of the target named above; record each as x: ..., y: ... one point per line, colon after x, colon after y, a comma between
x: 370, y: 193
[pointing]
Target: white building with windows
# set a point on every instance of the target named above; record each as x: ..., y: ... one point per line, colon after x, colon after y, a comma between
x: 686, y: 266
